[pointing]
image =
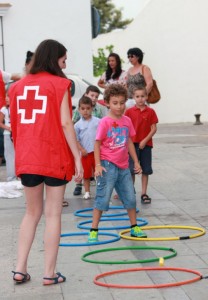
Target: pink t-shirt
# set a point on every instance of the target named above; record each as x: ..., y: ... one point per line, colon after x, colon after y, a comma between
x: 114, y: 135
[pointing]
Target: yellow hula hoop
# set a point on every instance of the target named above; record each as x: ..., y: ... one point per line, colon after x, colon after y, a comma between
x: 174, y: 238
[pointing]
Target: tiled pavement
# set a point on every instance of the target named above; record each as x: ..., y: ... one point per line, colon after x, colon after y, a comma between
x: 179, y: 189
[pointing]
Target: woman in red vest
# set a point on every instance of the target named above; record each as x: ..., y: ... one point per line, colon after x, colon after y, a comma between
x: 46, y: 152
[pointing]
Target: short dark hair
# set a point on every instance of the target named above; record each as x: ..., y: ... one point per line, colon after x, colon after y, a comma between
x: 140, y: 88
x: 92, y: 88
x: 46, y: 58
x: 115, y: 89
x: 137, y: 52
x: 85, y: 100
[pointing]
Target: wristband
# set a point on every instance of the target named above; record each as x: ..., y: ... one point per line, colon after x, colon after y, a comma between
x: 98, y: 165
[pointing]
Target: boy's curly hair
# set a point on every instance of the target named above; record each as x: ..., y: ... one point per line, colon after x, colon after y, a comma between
x: 115, y: 89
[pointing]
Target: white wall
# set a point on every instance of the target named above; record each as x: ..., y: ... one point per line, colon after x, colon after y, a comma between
x: 174, y: 36
x: 28, y: 22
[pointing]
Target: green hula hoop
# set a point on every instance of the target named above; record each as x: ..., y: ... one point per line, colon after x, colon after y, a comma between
x: 173, y: 253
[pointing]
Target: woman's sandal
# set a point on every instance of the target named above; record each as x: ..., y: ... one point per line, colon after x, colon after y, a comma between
x: 145, y: 199
x: 55, y: 280
x: 25, y: 277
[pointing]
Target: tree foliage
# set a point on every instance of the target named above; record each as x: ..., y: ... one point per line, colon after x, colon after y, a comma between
x: 100, y: 61
x: 110, y: 17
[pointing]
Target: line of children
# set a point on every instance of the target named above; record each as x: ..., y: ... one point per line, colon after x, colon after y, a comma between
x: 98, y: 111
x: 144, y: 120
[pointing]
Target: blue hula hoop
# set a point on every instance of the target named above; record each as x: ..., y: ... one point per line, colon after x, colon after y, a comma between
x: 80, y: 212
x: 115, y: 238
x: 81, y: 225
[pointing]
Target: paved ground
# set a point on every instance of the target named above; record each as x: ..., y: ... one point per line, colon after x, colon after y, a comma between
x: 180, y: 193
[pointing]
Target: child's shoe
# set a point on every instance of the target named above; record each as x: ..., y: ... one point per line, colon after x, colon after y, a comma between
x: 137, y: 232
x: 77, y: 190
x: 86, y: 196
x: 93, y: 236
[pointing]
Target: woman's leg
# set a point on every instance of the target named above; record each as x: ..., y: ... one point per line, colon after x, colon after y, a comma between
x: 34, y: 209
x: 53, y: 209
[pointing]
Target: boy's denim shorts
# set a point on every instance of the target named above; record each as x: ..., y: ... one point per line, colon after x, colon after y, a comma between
x: 145, y: 158
x: 117, y: 178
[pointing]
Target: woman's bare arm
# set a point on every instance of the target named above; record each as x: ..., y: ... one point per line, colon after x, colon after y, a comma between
x: 70, y: 135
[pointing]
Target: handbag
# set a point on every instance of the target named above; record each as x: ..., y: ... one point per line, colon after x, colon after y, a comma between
x: 154, y: 95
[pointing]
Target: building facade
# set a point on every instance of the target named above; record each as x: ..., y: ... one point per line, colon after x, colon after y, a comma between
x: 173, y: 34
x: 24, y: 24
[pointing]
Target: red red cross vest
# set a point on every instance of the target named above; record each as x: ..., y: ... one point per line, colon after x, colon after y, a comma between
x: 2, y: 91
x: 40, y: 144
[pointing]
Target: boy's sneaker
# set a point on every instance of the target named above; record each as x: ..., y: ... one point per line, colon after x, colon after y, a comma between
x: 93, y: 236
x: 77, y: 190
x: 137, y: 232
x: 86, y: 196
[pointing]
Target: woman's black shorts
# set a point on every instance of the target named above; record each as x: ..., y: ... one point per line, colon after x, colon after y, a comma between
x: 31, y: 180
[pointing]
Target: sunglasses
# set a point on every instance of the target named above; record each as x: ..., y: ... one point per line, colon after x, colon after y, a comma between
x: 130, y: 56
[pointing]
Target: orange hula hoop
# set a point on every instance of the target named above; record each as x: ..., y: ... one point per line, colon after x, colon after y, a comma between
x: 163, y: 285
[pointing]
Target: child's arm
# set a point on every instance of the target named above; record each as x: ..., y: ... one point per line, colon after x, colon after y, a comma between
x: 2, y: 125
x: 98, y: 168
x: 132, y: 152
x: 81, y: 149
x: 153, y: 130
x: 101, y: 83
x: 15, y: 76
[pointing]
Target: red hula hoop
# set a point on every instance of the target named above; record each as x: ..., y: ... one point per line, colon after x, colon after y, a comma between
x: 164, y: 285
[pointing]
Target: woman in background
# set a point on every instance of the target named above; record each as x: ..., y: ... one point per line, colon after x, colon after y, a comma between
x: 113, y: 73
x: 138, y: 75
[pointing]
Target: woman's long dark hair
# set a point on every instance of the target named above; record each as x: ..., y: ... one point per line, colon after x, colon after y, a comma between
x: 46, y: 58
x: 118, y: 70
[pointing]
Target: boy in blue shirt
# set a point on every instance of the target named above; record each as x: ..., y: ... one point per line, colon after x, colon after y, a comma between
x: 85, y: 130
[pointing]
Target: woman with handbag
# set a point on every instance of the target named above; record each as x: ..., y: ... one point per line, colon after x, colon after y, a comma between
x: 138, y: 75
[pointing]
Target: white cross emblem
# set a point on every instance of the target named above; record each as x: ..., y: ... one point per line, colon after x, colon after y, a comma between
x: 34, y: 111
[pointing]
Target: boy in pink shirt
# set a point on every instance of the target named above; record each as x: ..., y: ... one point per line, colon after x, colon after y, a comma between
x: 113, y: 142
